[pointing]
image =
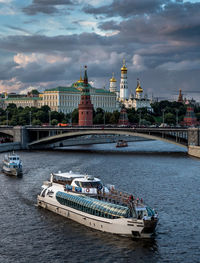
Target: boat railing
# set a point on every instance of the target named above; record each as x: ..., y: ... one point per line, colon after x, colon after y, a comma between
x: 119, y: 197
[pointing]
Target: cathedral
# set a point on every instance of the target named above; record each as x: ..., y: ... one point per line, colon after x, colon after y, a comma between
x: 134, y: 100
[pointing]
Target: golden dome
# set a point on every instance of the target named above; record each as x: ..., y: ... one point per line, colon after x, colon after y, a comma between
x: 124, y: 68
x: 80, y: 80
x: 113, y: 79
x: 138, y: 88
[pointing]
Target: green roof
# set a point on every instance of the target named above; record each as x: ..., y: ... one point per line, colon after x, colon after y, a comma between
x: 70, y: 89
x: 102, y: 91
x: 75, y: 87
x: 24, y: 98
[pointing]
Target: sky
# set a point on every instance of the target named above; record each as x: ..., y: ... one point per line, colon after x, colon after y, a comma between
x: 46, y: 43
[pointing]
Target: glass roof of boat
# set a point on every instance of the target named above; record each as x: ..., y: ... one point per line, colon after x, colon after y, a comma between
x: 95, y: 204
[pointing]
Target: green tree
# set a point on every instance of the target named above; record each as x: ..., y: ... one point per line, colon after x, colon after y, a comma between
x: 114, y: 117
x: 54, y: 122
x: 36, y: 122
x: 170, y: 118
x: 75, y: 116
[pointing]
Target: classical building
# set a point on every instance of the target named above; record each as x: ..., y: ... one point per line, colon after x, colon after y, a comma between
x: 85, y: 108
x: 21, y: 100
x: 138, y: 101
x: 66, y: 99
x: 129, y: 101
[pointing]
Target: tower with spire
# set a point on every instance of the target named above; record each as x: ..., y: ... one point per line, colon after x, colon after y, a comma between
x: 85, y: 107
x: 123, y: 83
x: 180, y: 96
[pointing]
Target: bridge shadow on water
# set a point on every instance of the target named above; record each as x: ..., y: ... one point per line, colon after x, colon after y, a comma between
x: 131, y: 152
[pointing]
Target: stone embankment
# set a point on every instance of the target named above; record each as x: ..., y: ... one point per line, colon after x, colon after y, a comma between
x: 194, y: 151
x: 11, y: 146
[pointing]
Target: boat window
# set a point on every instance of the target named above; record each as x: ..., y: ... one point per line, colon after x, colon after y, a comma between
x: 14, y: 158
x: 91, y: 184
x: 78, y: 183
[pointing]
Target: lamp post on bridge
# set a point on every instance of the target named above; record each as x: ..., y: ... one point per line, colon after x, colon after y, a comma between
x: 30, y: 117
x: 49, y: 117
x: 7, y: 117
x: 139, y: 117
x: 177, y: 117
x: 163, y: 115
x: 104, y: 118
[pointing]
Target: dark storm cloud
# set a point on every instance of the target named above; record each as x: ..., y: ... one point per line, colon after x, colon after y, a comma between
x: 45, y: 6
x: 126, y: 8
x: 42, y: 73
x: 7, y: 70
x: 159, y: 45
x: 40, y: 43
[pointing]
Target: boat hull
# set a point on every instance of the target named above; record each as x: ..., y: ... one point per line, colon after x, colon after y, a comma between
x: 130, y: 227
x: 12, y: 171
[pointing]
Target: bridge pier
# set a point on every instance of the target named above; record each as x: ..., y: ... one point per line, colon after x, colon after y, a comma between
x: 194, y: 142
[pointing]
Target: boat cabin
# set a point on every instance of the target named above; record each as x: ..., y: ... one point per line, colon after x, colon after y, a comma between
x: 77, y: 182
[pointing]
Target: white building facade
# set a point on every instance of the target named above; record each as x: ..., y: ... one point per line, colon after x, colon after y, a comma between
x: 66, y: 99
x: 123, y: 83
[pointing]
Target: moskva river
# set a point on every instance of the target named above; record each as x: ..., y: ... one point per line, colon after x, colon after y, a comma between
x: 163, y: 174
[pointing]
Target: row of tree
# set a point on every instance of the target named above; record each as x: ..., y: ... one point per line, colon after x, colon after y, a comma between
x: 169, y: 112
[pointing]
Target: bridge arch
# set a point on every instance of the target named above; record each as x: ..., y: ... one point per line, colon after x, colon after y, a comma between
x: 72, y: 134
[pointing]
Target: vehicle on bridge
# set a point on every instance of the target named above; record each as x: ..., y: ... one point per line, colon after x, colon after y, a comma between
x: 86, y: 200
x: 12, y: 165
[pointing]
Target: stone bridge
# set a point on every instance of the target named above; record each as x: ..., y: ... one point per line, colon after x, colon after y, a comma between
x: 32, y: 137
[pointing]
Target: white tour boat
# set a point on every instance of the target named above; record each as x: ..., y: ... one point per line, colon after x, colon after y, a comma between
x: 86, y: 200
x: 12, y: 164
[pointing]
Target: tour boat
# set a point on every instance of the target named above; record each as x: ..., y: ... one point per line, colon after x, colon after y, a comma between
x: 12, y: 164
x: 121, y: 143
x: 84, y: 199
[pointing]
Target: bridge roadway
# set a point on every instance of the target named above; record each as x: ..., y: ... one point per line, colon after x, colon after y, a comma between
x: 40, y: 136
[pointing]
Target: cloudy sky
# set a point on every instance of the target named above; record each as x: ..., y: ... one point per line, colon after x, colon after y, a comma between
x: 44, y: 43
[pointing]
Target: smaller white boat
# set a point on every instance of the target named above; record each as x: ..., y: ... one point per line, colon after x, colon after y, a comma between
x: 121, y: 143
x: 12, y: 164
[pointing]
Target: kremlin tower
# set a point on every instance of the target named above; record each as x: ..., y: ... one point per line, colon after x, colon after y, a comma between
x: 180, y: 96
x: 123, y: 117
x: 123, y: 83
x: 190, y: 118
x: 85, y: 108
x: 139, y: 90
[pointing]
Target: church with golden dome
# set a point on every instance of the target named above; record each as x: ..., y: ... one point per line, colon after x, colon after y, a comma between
x: 135, y: 100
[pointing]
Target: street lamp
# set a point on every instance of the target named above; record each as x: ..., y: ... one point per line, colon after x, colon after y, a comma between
x: 30, y: 117
x: 104, y: 118
x: 177, y: 117
x: 49, y: 117
x: 7, y: 117
x: 163, y: 115
x: 139, y: 118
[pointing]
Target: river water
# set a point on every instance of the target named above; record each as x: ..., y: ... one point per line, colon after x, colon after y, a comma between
x: 162, y: 174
